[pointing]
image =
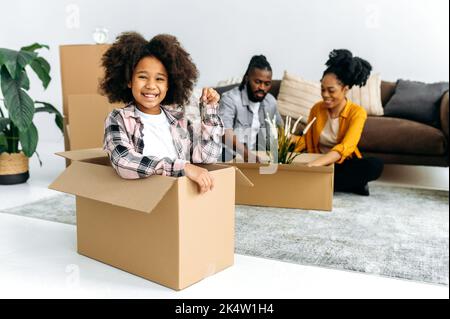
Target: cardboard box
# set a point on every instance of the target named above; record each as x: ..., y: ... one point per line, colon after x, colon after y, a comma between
x: 87, y: 113
x: 159, y: 228
x: 81, y: 73
x: 289, y: 186
x: 81, y: 70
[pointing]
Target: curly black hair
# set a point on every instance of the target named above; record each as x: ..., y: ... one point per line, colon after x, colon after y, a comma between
x: 256, y: 62
x: 348, y: 69
x: 121, y: 58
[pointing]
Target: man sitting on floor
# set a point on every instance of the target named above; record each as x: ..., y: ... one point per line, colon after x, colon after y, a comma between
x: 244, y: 110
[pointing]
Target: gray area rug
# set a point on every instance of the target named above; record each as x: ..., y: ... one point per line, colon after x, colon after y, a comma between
x: 395, y: 232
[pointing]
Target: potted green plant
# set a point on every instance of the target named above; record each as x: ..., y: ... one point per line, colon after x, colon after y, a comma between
x: 282, y: 150
x: 18, y: 135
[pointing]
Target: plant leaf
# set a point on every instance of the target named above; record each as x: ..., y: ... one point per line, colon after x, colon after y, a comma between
x: 33, y: 47
x: 20, y: 106
x: 51, y: 109
x: 3, y: 143
x: 28, y: 140
x: 39, y: 65
x: 42, y: 69
x: 3, y: 123
x: 39, y: 158
x: 14, y: 61
x: 24, y: 80
x: 44, y: 64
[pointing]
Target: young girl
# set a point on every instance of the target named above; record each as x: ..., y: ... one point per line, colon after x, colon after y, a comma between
x: 151, y: 135
x: 339, y: 124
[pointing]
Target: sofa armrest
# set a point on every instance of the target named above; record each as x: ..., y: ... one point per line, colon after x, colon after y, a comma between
x: 444, y: 114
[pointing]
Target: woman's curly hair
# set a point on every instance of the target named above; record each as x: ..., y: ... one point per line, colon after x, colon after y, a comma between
x: 348, y: 69
x: 121, y: 58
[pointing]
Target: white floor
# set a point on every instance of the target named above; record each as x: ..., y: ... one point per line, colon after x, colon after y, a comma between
x: 38, y: 258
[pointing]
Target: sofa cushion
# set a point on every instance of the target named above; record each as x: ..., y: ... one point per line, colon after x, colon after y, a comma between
x: 229, y: 81
x: 387, y: 91
x: 274, y: 90
x: 399, y: 136
x: 416, y: 101
x: 368, y: 96
x: 297, y: 96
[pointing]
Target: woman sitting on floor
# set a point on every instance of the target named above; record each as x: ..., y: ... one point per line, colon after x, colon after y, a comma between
x: 339, y: 124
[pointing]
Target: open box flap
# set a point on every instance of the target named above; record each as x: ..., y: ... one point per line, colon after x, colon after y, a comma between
x: 267, y: 169
x: 242, y: 179
x: 101, y: 183
x: 240, y: 176
x: 84, y: 154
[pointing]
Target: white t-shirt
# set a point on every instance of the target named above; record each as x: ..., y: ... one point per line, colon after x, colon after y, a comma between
x: 157, y: 138
x: 254, y: 106
x: 329, y: 135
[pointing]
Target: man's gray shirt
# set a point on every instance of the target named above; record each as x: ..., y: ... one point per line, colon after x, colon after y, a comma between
x: 236, y: 114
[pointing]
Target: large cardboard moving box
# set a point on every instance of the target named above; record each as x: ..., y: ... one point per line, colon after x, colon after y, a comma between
x: 159, y: 228
x: 291, y: 186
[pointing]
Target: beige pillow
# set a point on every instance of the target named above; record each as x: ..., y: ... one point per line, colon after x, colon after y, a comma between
x: 229, y: 81
x: 297, y: 96
x: 369, y: 96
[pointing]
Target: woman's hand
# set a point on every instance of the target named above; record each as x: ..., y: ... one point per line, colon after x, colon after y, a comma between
x: 313, y: 164
x: 201, y: 176
x: 210, y: 96
x: 327, y: 159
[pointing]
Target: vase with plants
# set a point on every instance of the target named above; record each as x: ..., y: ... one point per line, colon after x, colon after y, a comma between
x: 18, y: 134
x: 283, y: 145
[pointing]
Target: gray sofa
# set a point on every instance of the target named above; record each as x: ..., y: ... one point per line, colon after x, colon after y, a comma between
x: 398, y: 140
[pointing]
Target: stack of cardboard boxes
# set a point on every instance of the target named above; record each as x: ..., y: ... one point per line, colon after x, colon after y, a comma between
x: 84, y: 109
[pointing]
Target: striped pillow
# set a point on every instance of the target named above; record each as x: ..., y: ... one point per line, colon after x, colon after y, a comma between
x: 297, y: 96
x: 368, y: 96
x: 229, y: 81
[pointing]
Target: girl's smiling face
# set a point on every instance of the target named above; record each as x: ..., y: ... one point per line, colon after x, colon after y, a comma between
x: 149, y: 84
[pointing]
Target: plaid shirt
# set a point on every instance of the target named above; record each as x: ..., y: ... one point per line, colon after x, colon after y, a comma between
x: 196, y: 141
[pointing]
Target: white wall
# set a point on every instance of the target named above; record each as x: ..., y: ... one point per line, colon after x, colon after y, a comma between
x: 401, y: 38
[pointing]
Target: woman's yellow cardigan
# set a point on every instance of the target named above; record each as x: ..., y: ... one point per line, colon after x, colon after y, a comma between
x: 351, y: 125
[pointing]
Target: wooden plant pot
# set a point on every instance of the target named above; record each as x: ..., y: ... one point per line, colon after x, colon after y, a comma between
x: 13, y: 168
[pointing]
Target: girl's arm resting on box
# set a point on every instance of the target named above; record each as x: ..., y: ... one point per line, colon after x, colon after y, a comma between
x: 201, y: 176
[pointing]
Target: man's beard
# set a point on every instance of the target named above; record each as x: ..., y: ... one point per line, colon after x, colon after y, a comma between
x: 252, y: 97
